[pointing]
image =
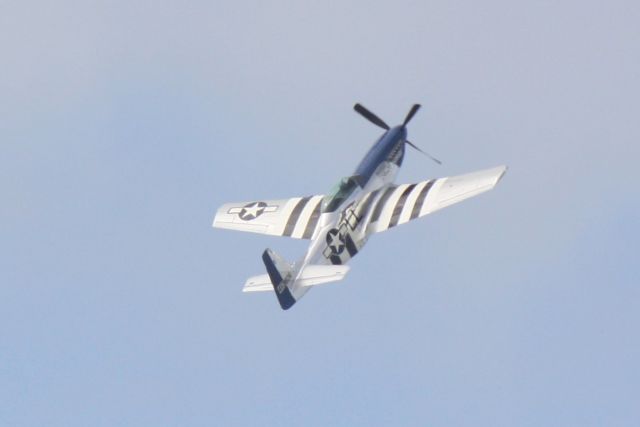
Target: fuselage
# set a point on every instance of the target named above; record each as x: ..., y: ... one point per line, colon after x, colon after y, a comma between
x: 340, y: 222
x: 341, y: 231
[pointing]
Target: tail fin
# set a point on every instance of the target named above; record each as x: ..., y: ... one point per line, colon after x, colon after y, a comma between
x: 280, y: 274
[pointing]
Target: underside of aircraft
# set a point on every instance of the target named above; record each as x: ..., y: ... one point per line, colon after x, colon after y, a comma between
x: 339, y: 223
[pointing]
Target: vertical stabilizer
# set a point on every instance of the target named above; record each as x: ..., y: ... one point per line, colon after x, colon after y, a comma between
x: 280, y: 274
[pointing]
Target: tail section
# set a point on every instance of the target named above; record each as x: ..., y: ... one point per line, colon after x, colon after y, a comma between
x: 280, y: 273
x: 311, y: 275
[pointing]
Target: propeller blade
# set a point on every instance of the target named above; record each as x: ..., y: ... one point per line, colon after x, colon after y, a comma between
x: 370, y: 116
x: 423, y: 152
x: 411, y: 113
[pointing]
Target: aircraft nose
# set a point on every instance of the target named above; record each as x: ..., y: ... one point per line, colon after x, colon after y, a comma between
x: 402, y: 131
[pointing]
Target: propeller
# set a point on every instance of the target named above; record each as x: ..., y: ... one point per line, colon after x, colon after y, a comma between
x: 370, y: 116
x: 407, y: 119
x: 423, y: 152
x: 379, y: 122
x: 411, y: 113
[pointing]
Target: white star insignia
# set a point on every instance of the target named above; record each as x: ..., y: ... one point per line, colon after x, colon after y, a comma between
x: 335, y: 242
x: 252, y: 210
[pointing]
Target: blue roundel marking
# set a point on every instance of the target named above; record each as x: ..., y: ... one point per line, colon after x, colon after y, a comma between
x: 252, y: 211
x: 335, y: 241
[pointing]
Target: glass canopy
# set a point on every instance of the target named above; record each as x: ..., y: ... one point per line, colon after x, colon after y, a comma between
x: 339, y: 193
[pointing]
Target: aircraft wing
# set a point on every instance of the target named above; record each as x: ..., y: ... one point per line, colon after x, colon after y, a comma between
x: 295, y: 217
x: 400, y: 204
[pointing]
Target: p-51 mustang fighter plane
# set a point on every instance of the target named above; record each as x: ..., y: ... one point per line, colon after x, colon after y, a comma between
x: 339, y: 223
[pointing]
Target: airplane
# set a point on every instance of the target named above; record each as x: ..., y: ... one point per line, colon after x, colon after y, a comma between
x: 339, y: 223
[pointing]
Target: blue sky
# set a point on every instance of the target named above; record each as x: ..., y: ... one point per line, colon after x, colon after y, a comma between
x: 124, y: 126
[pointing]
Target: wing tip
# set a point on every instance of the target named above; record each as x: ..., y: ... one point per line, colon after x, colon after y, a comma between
x: 504, y: 169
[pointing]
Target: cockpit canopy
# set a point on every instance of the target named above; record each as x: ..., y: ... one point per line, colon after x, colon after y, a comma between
x: 339, y: 193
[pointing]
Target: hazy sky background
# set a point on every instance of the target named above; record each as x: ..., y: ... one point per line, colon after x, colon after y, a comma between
x: 124, y: 125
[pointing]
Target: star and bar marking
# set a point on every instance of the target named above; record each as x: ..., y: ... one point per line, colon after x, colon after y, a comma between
x: 335, y: 241
x: 252, y: 210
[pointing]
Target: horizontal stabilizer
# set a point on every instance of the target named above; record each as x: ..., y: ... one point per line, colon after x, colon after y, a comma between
x: 312, y: 275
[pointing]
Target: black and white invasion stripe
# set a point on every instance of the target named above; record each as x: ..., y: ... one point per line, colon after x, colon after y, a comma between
x: 397, y: 205
x: 303, y: 218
